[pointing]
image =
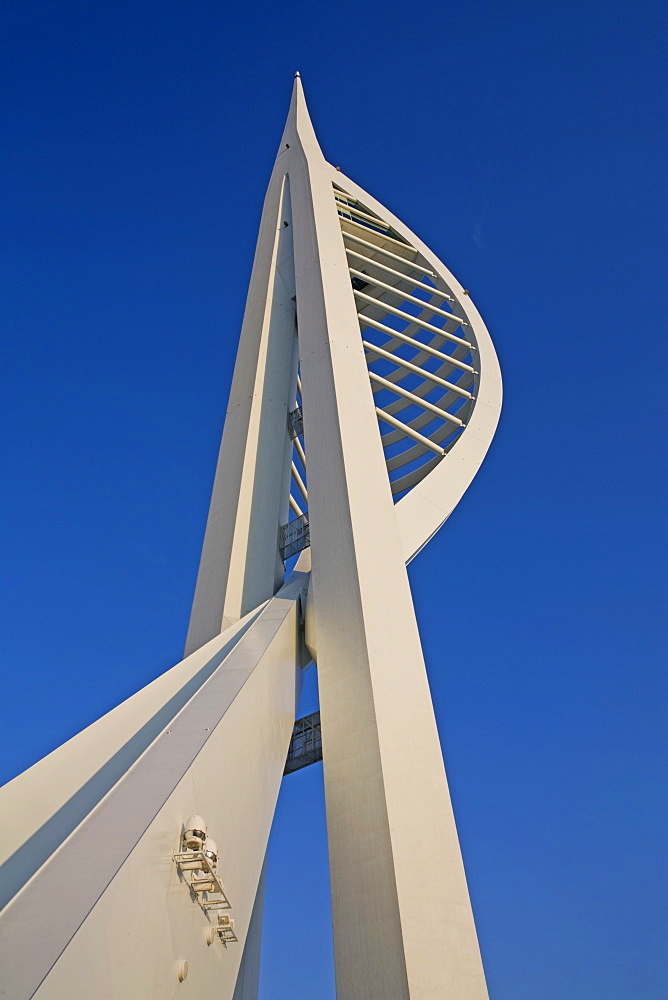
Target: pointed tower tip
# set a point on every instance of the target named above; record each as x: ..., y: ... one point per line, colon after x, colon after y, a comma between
x: 298, y: 125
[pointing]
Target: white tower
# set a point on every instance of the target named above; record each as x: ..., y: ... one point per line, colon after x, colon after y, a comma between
x: 365, y: 394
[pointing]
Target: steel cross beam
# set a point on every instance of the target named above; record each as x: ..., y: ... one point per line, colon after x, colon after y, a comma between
x: 134, y: 854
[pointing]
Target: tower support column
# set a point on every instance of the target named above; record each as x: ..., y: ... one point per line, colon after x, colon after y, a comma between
x: 403, y: 926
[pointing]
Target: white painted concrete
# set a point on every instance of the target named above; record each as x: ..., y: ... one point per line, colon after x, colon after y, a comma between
x: 41, y: 807
x: 108, y: 907
x: 240, y: 565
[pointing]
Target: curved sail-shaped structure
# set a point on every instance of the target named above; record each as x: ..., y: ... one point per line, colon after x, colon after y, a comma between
x: 365, y: 395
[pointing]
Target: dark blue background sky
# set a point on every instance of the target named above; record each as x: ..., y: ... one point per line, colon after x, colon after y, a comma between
x: 525, y: 143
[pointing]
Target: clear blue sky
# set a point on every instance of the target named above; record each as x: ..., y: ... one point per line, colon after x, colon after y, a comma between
x: 525, y: 143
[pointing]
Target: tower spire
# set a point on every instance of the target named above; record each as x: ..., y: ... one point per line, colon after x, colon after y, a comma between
x: 298, y: 126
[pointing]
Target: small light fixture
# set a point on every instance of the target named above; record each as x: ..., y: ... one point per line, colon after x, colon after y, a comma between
x: 211, y: 851
x: 195, y: 833
x: 223, y: 929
